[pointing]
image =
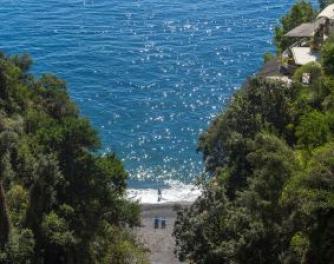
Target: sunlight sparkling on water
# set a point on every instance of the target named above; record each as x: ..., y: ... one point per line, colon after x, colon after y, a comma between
x: 149, y: 74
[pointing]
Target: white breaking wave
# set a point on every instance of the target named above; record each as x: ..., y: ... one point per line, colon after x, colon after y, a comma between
x: 175, y: 192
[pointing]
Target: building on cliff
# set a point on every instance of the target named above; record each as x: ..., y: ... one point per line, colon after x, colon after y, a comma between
x: 308, y: 39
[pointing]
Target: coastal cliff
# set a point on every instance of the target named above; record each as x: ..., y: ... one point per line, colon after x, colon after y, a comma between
x: 270, y: 154
x: 269, y: 157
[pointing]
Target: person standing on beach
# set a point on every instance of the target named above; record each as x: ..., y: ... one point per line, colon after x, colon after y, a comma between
x: 159, y: 195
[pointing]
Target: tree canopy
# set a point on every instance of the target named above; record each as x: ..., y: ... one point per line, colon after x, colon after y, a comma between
x: 61, y: 201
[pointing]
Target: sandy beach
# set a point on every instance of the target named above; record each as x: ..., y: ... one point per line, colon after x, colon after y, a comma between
x: 160, y: 242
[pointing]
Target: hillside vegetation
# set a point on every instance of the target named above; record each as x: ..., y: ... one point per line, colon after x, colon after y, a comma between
x: 60, y: 200
x: 271, y: 157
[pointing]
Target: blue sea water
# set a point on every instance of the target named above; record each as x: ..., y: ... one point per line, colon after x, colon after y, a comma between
x: 149, y: 74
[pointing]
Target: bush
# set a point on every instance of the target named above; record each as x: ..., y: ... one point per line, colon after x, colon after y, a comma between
x: 313, y: 68
x: 313, y: 130
x: 327, y: 56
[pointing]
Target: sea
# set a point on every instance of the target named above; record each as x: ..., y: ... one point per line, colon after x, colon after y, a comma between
x: 150, y: 74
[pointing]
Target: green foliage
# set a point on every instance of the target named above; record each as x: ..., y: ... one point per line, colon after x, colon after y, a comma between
x: 20, y: 248
x: 17, y: 200
x: 56, y: 191
x: 301, y: 12
x: 123, y: 250
x: 299, y: 244
x: 271, y: 157
x: 327, y: 56
x: 113, y: 170
x: 268, y: 56
x: 13, y: 93
x: 313, y: 130
x: 261, y: 105
x: 217, y: 230
x: 310, y: 192
x: 317, y: 94
x: 199, y: 230
x: 56, y: 231
x: 313, y: 68
x: 23, y: 61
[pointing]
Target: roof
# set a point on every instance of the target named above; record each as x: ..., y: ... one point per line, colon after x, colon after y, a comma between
x: 304, y: 55
x: 303, y: 30
x: 328, y: 12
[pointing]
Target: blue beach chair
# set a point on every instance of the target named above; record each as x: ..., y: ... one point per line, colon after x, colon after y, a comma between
x: 156, y: 222
x: 163, y: 223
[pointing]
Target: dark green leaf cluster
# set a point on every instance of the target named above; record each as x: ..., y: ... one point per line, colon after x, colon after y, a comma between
x: 60, y: 200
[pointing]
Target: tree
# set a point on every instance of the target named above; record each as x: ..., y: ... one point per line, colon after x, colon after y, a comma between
x: 310, y: 194
x: 58, y: 239
x: 7, y: 143
x: 200, y: 230
x: 259, y: 105
x: 56, y: 191
x: 254, y: 227
x: 327, y: 56
x: 301, y: 12
x: 4, y: 218
x: 265, y: 220
x: 313, y: 130
x: 20, y: 247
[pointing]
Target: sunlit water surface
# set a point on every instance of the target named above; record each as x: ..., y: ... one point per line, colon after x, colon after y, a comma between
x: 149, y: 74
